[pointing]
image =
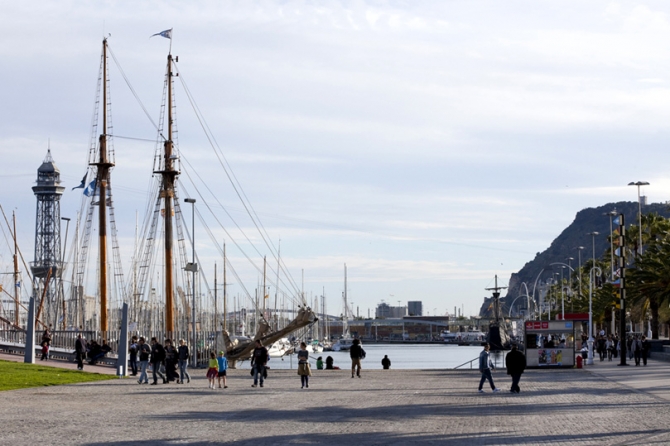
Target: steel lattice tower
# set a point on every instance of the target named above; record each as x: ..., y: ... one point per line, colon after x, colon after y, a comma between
x: 47, y: 266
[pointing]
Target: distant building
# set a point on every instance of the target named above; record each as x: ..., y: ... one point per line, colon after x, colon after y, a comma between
x: 386, y: 311
x: 415, y: 308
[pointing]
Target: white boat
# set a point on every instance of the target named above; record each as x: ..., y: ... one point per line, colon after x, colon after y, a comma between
x: 346, y: 341
x: 449, y: 337
x: 343, y: 344
x: 280, y: 347
x: 314, y: 347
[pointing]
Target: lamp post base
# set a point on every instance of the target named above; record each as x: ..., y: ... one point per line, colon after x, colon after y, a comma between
x: 589, y: 361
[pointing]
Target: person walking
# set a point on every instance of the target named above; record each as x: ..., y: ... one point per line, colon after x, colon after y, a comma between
x: 143, y: 351
x: 213, y: 370
x: 183, y: 361
x: 386, y: 362
x: 170, y: 362
x: 646, y: 348
x: 132, y: 350
x: 356, y: 353
x: 223, y: 367
x: 303, y: 366
x: 636, y: 348
x: 157, y: 358
x: 516, y: 364
x: 46, y: 337
x: 485, y: 367
x: 80, y: 351
x: 259, y: 360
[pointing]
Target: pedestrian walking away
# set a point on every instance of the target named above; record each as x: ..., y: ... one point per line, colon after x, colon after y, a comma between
x: 157, y: 358
x: 516, y: 364
x: 223, y: 367
x: 386, y: 362
x: 183, y: 361
x: 132, y: 350
x: 356, y: 353
x: 143, y: 351
x: 80, y: 351
x: 303, y: 366
x: 212, y: 370
x: 485, y: 367
x: 259, y: 360
x: 646, y: 348
x: 636, y: 349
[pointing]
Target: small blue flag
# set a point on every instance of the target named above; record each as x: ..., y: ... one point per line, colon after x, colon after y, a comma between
x: 167, y: 34
x: 83, y: 182
x: 18, y: 284
x: 90, y: 189
x: 616, y: 221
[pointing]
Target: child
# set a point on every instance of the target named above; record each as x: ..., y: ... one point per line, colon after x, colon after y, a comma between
x: 223, y: 366
x: 45, y: 351
x: 213, y: 370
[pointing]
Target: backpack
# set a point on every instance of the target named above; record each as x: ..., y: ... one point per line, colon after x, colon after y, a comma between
x: 362, y: 353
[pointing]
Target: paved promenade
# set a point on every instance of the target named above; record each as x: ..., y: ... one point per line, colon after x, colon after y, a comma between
x: 605, y: 405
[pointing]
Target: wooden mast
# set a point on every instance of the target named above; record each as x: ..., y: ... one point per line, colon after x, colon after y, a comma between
x: 169, y: 175
x: 225, y: 307
x: 103, y: 166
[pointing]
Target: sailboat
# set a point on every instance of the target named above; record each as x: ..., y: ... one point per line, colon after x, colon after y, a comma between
x: 346, y: 341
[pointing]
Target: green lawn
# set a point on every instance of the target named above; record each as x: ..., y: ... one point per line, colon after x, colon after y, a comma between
x: 18, y: 375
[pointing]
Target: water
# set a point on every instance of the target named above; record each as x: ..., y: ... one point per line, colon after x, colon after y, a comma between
x: 413, y: 356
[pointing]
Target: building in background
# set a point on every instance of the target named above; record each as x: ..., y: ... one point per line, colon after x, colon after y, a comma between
x: 386, y: 311
x: 415, y: 308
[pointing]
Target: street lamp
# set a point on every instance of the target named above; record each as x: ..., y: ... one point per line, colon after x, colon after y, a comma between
x: 579, y: 259
x: 593, y: 237
x: 193, y: 268
x: 589, y: 361
x: 639, y: 208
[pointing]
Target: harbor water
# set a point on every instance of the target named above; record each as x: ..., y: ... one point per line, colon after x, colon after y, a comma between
x: 405, y: 356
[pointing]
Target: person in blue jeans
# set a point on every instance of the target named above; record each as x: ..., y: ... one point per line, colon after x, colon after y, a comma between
x: 143, y: 351
x: 182, y: 353
x: 485, y: 367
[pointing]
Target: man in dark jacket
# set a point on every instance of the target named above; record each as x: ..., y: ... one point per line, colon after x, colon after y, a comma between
x: 157, y: 358
x: 516, y: 364
x: 259, y: 360
x: 386, y: 362
x: 356, y: 353
x: 80, y: 351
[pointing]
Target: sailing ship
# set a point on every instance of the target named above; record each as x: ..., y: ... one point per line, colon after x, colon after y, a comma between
x: 497, y: 337
x: 173, y: 308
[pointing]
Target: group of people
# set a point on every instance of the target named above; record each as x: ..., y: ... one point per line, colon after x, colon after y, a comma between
x: 609, y: 346
x: 515, y: 363
x: 89, y: 349
x: 167, y: 357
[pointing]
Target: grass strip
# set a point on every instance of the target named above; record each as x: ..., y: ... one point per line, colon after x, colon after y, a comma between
x: 19, y: 375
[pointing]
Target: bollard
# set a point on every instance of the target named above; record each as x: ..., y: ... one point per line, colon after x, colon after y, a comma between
x: 580, y: 360
x: 119, y: 372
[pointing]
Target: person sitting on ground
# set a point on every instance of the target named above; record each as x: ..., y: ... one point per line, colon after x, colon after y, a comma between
x: 329, y: 363
x: 319, y: 363
x: 386, y: 362
x: 101, y: 352
x: 93, y: 352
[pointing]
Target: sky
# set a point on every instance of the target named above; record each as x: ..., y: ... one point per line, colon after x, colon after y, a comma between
x: 429, y: 145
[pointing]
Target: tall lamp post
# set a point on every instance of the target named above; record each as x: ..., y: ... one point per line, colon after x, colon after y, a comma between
x: 639, y: 209
x: 193, y: 268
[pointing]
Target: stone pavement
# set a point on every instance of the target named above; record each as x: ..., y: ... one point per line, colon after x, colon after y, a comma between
x: 394, y: 407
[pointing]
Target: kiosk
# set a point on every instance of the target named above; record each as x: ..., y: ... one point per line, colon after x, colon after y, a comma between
x: 550, y: 343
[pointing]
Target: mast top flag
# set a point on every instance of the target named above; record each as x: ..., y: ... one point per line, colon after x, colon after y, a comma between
x: 167, y: 34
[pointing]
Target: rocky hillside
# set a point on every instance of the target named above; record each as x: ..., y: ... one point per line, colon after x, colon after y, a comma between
x: 565, y: 245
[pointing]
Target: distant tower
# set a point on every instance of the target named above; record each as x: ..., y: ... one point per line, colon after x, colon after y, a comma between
x: 48, y: 260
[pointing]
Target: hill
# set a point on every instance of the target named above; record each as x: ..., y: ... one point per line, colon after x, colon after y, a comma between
x: 566, y: 245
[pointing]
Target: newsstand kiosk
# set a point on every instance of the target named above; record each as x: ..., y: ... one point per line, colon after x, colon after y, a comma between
x: 550, y: 343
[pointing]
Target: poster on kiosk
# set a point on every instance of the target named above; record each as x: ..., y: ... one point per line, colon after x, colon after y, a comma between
x: 550, y: 343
